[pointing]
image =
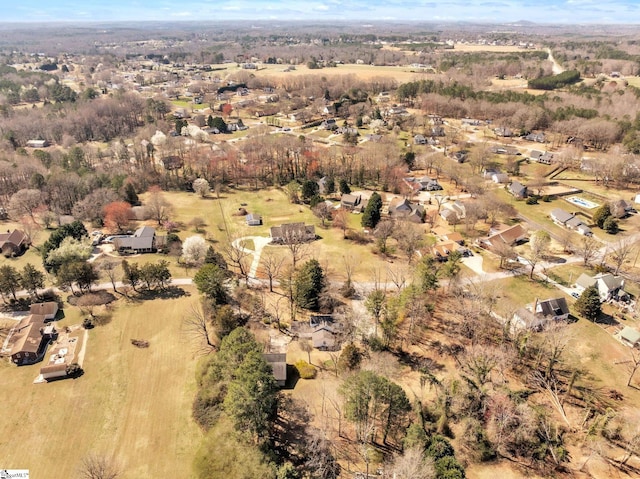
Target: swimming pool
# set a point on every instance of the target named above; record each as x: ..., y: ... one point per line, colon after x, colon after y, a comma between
x: 576, y: 200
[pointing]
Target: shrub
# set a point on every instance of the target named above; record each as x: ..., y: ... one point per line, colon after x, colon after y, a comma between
x: 610, y: 225
x: 306, y: 370
x: 349, y: 358
x: 546, y: 198
x: 532, y: 200
x: 74, y: 370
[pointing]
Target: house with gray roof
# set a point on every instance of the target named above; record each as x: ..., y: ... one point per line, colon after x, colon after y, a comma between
x: 290, y: 233
x: 278, y: 363
x: 143, y: 240
x: 609, y: 287
x: 517, y: 189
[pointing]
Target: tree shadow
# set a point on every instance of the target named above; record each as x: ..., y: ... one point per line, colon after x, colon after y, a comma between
x: 170, y: 292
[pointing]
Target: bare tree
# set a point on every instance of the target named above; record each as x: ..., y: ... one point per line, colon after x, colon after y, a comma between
x: 307, y: 347
x: 323, y: 211
x: 539, y: 249
x: 621, y: 252
x: 238, y: 256
x: 158, y: 207
x: 413, y: 464
x: 199, y: 329
x: 409, y: 237
x: 633, y: 365
x: 341, y: 220
x: 98, y: 467
x: 25, y: 203
x: 384, y: 230
x: 110, y: 269
x: 272, y: 263
x: 588, y: 249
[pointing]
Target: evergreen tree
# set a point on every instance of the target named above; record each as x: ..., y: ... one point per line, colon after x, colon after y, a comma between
x: 601, y: 215
x: 588, y: 304
x: 344, y: 187
x: 9, y: 280
x: 308, y: 285
x: 210, y: 281
x: 31, y: 279
x: 309, y: 189
x: 372, y: 212
x: 130, y: 195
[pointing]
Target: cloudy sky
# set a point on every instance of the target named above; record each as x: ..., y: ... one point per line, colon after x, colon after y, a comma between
x: 543, y: 11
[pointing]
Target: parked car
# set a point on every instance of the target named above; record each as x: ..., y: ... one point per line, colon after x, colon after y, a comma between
x: 575, y: 295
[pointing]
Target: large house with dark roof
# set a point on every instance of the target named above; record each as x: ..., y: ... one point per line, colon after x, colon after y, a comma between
x: 14, y: 243
x: 30, y: 339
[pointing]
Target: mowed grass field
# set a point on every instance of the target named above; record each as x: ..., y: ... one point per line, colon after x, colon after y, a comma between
x: 132, y: 405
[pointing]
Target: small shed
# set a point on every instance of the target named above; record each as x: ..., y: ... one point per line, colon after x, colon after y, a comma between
x: 278, y: 363
x: 54, y: 371
x: 253, y: 219
x: 630, y: 336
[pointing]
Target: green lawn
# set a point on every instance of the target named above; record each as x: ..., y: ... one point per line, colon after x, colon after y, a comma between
x: 133, y: 405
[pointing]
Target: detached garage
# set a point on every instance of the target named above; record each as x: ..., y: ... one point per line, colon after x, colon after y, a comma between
x: 54, y: 371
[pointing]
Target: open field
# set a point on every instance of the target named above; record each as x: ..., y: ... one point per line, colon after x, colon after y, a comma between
x: 364, y: 72
x: 132, y: 405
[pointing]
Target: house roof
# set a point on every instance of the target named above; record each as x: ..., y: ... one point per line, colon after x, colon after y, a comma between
x: 574, y: 222
x: 253, y: 217
x: 629, y: 334
x: 553, y: 307
x: 145, y: 232
x: 585, y: 281
x: 507, y: 236
x: 27, y: 337
x: 15, y: 237
x: 455, y: 236
x: 323, y: 337
x: 517, y: 188
x: 561, y: 215
x: 610, y: 281
x: 349, y: 199
x: 278, y: 362
x: 536, y: 154
x: 53, y: 368
x: 293, y: 231
x: 44, y: 309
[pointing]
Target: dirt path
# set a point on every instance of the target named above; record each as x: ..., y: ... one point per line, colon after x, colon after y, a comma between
x: 83, y: 349
x: 259, y: 243
x: 556, y: 68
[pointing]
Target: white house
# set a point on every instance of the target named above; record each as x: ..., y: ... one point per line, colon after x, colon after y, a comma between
x: 609, y: 286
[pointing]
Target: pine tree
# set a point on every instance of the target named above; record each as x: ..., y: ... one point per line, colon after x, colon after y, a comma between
x: 588, y: 304
x: 371, y: 215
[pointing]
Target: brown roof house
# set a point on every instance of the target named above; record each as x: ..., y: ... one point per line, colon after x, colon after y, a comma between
x: 292, y: 233
x: 508, y: 236
x: 48, y: 309
x: 14, y: 243
x: 30, y: 339
x: 278, y: 363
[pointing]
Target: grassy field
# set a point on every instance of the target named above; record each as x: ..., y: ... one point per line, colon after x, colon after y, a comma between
x: 132, y: 405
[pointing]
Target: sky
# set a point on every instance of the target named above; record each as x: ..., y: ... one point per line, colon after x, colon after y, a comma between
x: 491, y: 11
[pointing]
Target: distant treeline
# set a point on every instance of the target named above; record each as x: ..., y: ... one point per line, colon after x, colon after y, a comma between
x: 555, y: 81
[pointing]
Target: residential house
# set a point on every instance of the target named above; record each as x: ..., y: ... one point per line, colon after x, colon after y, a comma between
x: 517, y: 189
x: 290, y: 233
x: 471, y: 122
x: 419, y: 140
x: 500, y: 178
x: 510, y: 236
x: 609, y: 287
x: 437, y: 131
x: 347, y: 130
x: 374, y: 137
x: 630, y: 336
x: 536, y: 137
x: 48, y: 310
x: 429, y: 184
x: 350, y: 201
x: 503, y: 132
x: 143, y: 240
x: 621, y: 208
x: 253, y: 219
x: 324, y: 338
x: 442, y: 249
x: 460, y: 156
x: 403, y: 208
x: 453, y: 212
x: 453, y: 236
x: 30, y: 339
x: 14, y: 243
x: 570, y: 221
x: 537, y: 315
x: 329, y: 124
x: 278, y: 363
